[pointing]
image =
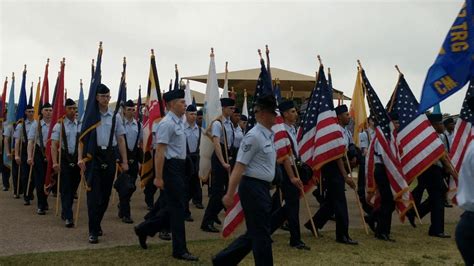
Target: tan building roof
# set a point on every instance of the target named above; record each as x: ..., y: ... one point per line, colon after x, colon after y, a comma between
x: 241, y: 80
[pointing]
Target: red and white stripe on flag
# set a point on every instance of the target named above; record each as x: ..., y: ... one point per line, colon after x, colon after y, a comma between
x: 234, y: 216
x: 419, y: 147
x: 281, y: 140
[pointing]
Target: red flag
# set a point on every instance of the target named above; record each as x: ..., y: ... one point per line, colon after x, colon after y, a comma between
x: 3, y: 99
x: 57, y: 116
x: 45, y: 88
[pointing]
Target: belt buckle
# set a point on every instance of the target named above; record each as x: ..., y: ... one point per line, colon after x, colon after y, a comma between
x: 103, y: 147
x: 131, y: 161
x: 104, y: 166
x: 72, y: 165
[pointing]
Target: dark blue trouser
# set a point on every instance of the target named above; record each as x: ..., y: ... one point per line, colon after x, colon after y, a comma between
x: 6, y: 176
x: 384, y: 214
x: 256, y: 203
x: 465, y: 237
x: 39, y: 173
x: 335, y: 202
x: 289, y: 211
x: 219, y: 182
x: 99, y: 195
x: 70, y: 180
x: 124, y: 199
x: 149, y: 191
x: 172, y: 214
x: 431, y: 180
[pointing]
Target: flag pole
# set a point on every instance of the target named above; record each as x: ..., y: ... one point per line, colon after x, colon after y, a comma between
x: 357, y: 196
x: 81, y: 184
x: 58, y: 191
x: 115, y: 177
x: 392, y: 99
x: 34, y: 147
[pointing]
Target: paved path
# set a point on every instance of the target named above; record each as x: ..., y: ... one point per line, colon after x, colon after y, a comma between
x: 23, y: 231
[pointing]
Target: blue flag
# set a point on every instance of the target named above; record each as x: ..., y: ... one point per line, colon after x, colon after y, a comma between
x: 277, y: 92
x: 194, y: 102
x: 91, y: 119
x: 30, y: 100
x: 264, y: 87
x: 122, y: 95
x: 20, y: 111
x: 453, y: 66
x: 11, y: 118
x: 80, y: 105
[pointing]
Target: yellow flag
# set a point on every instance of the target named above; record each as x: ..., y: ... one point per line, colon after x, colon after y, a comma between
x: 357, y: 109
x: 36, y: 105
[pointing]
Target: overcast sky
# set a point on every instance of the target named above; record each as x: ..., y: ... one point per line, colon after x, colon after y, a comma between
x: 379, y: 33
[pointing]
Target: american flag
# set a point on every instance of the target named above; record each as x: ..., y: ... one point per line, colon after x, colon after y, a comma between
x: 418, y: 144
x: 463, y: 135
x: 234, y: 216
x: 383, y: 139
x: 320, y: 139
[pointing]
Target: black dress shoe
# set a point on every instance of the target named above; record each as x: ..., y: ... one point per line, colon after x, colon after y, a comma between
x: 189, y: 219
x: 199, y: 206
x: 5, y: 189
x: 209, y: 228
x: 301, y: 246
x: 16, y: 196
x: 69, y: 223
x: 127, y: 220
x: 217, y: 221
x: 40, y: 212
x: 93, y: 239
x: 440, y: 235
x: 346, y: 240
x: 186, y: 256
x: 27, y: 203
x: 141, y: 238
x: 164, y: 236
x: 384, y: 237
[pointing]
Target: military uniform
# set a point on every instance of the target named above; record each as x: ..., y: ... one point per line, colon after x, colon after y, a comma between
x: 193, y: 141
x: 170, y: 131
x: 432, y: 181
x: 38, y: 134
x: 133, y: 136
x: 70, y: 172
x: 21, y: 134
x: 257, y: 152
x: 335, y: 202
x: 220, y: 176
x: 6, y: 132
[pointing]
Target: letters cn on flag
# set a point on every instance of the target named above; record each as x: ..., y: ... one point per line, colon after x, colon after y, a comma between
x: 357, y: 109
x: 320, y: 139
x: 153, y: 113
x: 383, y: 134
x: 453, y: 66
x: 211, y: 110
x: 235, y: 214
x: 418, y: 144
x: 463, y: 135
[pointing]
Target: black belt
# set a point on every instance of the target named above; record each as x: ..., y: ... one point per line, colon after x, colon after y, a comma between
x: 260, y: 181
x: 175, y: 160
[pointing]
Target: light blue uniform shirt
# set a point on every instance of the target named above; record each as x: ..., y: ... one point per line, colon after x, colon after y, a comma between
x: 217, y: 131
x: 257, y: 152
x: 71, y: 128
x: 347, y: 136
x: 238, y: 136
x: 104, y: 129
x: 33, y: 132
x: 465, y: 194
x: 131, y: 133
x: 170, y: 131
x: 19, y: 129
x: 192, y: 136
x: 7, y: 129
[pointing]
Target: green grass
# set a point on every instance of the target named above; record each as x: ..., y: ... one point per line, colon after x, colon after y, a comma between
x: 412, y: 247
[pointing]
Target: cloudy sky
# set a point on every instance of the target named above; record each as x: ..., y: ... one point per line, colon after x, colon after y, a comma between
x: 379, y: 33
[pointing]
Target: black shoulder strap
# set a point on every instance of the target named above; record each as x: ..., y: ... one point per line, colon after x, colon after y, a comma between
x: 40, y: 136
x: 23, y: 128
x: 447, y: 141
x: 138, y: 135
x: 112, y: 130
x: 64, y: 137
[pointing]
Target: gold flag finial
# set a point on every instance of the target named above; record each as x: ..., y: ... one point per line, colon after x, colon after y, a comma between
x: 260, y: 53
x: 47, y: 61
x: 100, y: 45
x: 212, y: 52
x: 319, y: 59
x: 360, y: 65
x: 124, y: 60
x: 398, y: 69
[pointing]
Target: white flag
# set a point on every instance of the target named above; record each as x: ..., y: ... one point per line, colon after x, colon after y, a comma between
x: 245, y: 110
x: 187, y: 94
x: 211, y: 110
